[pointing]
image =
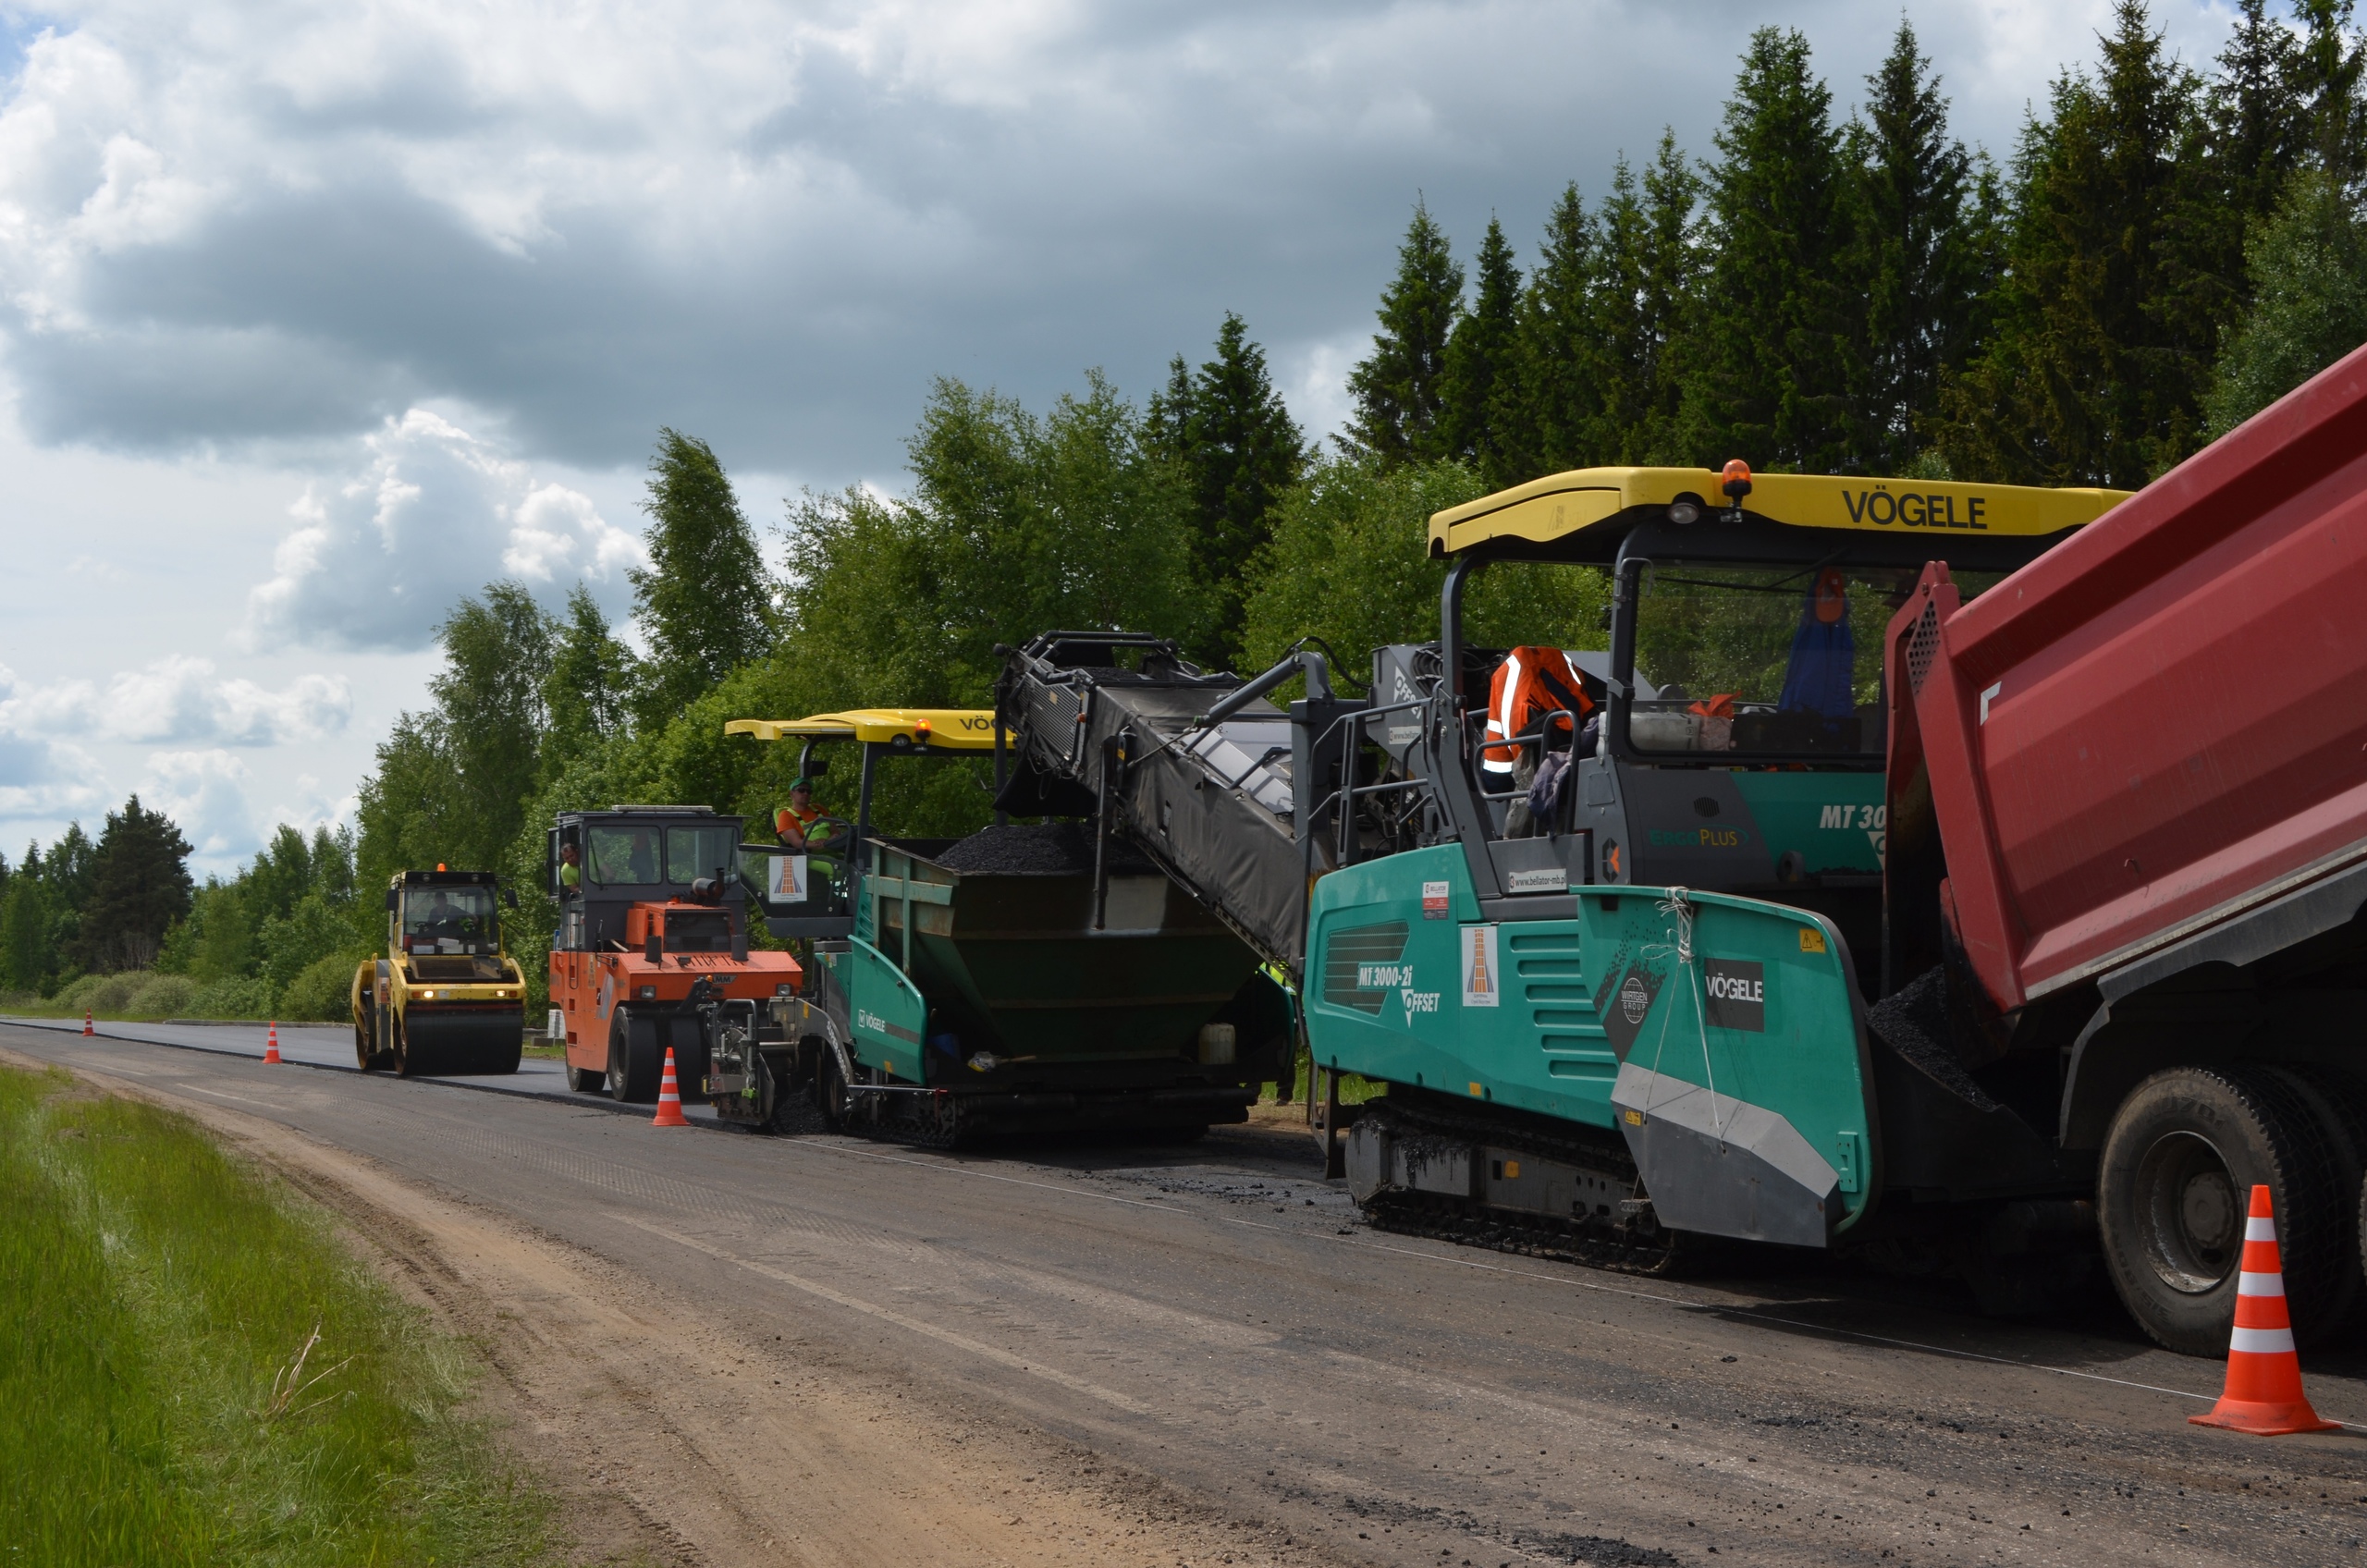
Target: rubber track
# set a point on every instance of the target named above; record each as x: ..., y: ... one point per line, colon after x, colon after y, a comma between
x: 1467, y: 1223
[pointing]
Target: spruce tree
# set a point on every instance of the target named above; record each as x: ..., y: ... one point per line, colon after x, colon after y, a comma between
x: 2260, y: 123
x: 1648, y: 274
x: 2095, y: 372
x: 1398, y: 388
x: 704, y: 602
x: 1239, y: 449
x: 1482, y: 375
x: 140, y: 885
x: 1772, y: 357
x: 2326, y: 65
x: 1919, y: 263
x: 1552, y: 426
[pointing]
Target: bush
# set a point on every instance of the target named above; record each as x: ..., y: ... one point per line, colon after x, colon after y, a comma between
x: 239, y: 998
x: 101, y: 994
x: 321, y: 992
x: 161, y: 996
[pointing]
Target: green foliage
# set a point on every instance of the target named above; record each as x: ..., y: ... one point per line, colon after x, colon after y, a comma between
x: 1239, y: 449
x: 704, y: 602
x: 592, y: 677
x: 27, y: 960
x: 1924, y: 258
x: 1017, y: 523
x: 2309, y: 269
x: 1348, y: 565
x: 314, y: 930
x: 1400, y: 388
x: 140, y: 885
x: 1773, y: 357
x: 1481, y: 383
x: 155, y: 1292
x: 497, y: 654
x: 321, y: 991
x: 2109, y: 320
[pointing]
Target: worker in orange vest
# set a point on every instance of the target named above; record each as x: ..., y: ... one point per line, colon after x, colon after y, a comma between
x: 1530, y: 684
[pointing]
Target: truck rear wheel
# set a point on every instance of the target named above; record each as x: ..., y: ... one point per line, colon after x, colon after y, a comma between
x: 2186, y: 1149
x: 587, y: 1080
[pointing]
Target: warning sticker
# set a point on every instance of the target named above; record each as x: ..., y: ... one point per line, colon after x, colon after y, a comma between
x: 1482, y: 981
x: 1435, y: 900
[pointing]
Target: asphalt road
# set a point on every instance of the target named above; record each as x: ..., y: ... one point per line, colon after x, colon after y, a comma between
x: 1214, y: 1316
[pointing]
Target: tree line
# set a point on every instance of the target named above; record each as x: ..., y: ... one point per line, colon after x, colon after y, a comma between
x: 2165, y: 251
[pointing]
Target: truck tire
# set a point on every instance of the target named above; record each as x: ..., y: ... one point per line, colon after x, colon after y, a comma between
x: 364, y: 1054
x: 2339, y: 1103
x: 2185, y: 1150
x: 587, y: 1080
x: 637, y: 1059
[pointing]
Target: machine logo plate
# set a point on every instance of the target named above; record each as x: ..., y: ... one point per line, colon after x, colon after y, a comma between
x: 1738, y: 994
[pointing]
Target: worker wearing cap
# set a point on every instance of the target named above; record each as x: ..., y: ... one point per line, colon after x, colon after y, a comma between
x: 1532, y: 683
x: 795, y: 823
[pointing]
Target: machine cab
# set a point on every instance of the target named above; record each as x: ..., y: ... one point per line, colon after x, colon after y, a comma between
x: 633, y: 867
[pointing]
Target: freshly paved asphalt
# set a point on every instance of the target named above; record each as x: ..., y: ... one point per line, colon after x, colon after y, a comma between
x: 1215, y: 1314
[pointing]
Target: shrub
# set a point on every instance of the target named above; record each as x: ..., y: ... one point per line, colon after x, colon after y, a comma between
x: 321, y: 991
x: 161, y: 996
x: 238, y: 998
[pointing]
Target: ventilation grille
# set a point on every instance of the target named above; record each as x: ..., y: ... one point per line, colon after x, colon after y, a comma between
x: 1923, y: 645
x: 1348, y: 951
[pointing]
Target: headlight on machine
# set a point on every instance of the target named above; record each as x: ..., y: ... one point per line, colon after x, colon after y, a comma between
x: 427, y: 996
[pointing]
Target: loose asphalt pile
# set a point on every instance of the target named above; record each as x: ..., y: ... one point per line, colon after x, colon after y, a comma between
x: 1055, y: 849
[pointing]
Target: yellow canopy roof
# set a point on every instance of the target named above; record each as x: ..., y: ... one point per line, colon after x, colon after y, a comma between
x: 960, y: 730
x: 1563, y: 506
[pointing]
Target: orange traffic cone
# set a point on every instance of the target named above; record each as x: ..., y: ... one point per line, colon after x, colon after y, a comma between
x: 271, y: 1047
x: 2263, y: 1394
x: 86, y: 1023
x: 670, y: 1098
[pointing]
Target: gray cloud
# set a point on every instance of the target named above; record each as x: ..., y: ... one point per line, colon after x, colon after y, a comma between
x: 772, y: 226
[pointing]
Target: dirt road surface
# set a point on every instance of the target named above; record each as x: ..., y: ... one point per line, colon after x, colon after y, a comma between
x: 727, y: 1349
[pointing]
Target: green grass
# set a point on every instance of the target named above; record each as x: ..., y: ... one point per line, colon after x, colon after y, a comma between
x: 157, y: 1298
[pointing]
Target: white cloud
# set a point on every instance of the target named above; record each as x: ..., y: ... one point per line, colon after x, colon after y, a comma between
x: 205, y: 794
x: 213, y: 796
x: 176, y: 698
x: 377, y: 560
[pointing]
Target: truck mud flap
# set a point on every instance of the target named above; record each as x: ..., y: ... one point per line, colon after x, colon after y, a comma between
x: 1725, y: 1166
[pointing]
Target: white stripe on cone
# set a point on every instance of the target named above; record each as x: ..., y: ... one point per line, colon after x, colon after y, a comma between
x: 2262, y: 1341
x: 2260, y: 1284
x: 2260, y: 1229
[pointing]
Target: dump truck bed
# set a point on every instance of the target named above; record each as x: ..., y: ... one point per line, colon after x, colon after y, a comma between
x: 2158, y: 726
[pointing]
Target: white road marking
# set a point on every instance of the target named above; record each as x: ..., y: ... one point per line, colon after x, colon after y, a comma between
x: 856, y: 1303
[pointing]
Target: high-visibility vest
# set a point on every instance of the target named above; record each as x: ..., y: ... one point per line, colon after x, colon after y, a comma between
x: 788, y: 816
x: 1530, y: 683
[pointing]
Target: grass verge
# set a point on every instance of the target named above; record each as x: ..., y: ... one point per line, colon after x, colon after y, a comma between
x: 197, y: 1372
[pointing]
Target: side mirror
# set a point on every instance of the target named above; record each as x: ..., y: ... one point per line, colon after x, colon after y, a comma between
x: 510, y: 896
x: 394, y: 900
x: 654, y: 949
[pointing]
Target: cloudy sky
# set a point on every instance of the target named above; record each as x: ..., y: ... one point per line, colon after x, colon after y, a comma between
x: 316, y: 316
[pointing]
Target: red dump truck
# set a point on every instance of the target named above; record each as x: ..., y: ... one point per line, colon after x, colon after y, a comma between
x: 2127, y: 858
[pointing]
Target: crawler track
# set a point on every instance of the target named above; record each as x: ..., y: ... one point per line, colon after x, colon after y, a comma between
x: 1629, y: 1245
